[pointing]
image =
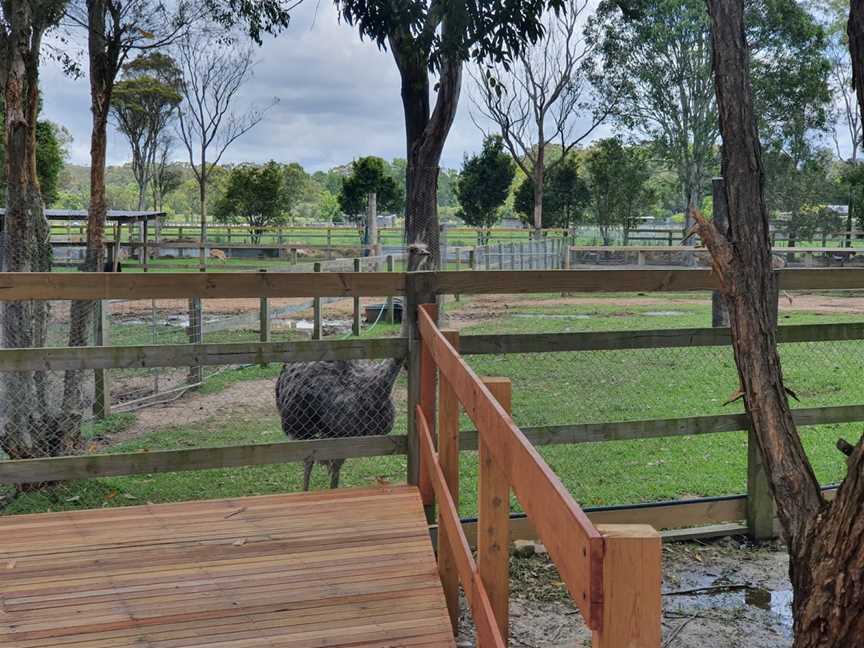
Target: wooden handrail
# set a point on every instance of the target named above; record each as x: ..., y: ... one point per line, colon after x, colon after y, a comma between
x: 487, y: 631
x: 613, y: 575
x: 572, y: 541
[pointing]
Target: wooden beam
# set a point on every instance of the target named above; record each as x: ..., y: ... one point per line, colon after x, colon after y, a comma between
x: 110, y: 285
x: 28, y: 471
x: 631, y: 588
x: 493, y: 516
x: 448, y: 457
x: 645, y: 339
x: 186, y: 355
x: 488, y: 634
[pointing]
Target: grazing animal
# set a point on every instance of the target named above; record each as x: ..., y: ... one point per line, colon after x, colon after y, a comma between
x: 336, y: 399
x: 218, y: 255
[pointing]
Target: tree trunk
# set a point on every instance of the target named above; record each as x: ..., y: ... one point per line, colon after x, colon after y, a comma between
x: 425, y: 135
x: 29, y: 425
x: 102, y: 76
x: 539, y: 176
x: 202, y: 197
x: 825, y: 541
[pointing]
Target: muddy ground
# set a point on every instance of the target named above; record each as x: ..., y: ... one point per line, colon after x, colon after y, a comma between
x: 725, y: 593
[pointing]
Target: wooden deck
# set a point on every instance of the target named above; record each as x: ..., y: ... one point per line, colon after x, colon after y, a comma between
x: 352, y: 567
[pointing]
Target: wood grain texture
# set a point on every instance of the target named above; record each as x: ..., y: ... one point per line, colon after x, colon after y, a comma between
x: 488, y: 634
x: 572, y: 541
x: 351, y: 567
x: 109, y: 285
x: 631, y: 585
x: 493, y: 518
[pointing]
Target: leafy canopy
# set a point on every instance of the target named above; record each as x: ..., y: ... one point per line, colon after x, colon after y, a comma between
x: 369, y: 175
x: 486, y: 30
x: 565, y: 194
x: 618, y: 178
x: 259, y: 195
x: 485, y: 184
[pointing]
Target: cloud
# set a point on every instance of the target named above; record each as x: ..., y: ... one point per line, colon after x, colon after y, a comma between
x: 339, y: 98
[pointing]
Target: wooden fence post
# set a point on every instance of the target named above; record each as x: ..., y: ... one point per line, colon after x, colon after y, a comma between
x: 631, y: 587
x: 101, y: 377
x: 493, y: 520
x: 418, y: 290
x: 448, y: 456
x: 428, y: 397
x: 264, y: 320
x: 355, y: 328
x: 316, y: 308
x: 472, y: 259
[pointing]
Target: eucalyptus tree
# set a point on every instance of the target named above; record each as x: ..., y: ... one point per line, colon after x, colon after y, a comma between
x: 825, y: 539
x: 25, y: 245
x: 144, y: 103
x: 541, y: 98
x: 655, y: 56
x: 431, y: 38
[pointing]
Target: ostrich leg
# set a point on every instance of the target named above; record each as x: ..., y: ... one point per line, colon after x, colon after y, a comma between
x: 307, y: 472
x: 335, y: 466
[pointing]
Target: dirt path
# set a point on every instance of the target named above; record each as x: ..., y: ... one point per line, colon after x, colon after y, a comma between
x: 244, y: 397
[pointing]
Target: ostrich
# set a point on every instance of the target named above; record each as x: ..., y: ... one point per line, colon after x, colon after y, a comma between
x: 340, y: 398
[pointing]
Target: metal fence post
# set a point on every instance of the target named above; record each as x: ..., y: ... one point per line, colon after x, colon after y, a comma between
x: 264, y: 320
x: 391, y: 309
x: 355, y: 329
x: 101, y: 377
x: 316, y: 308
x: 196, y: 336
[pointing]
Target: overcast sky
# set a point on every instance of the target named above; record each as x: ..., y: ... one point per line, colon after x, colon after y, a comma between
x: 338, y: 100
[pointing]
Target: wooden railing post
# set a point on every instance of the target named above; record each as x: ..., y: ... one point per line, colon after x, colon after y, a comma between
x: 493, y: 520
x: 631, y: 587
x: 391, y: 312
x: 448, y: 456
x: 428, y: 386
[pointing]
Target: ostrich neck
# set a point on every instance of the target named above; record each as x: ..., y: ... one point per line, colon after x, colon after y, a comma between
x: 390, y: 371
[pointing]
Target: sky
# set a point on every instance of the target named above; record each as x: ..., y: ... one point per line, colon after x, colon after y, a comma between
x: 338, y: 100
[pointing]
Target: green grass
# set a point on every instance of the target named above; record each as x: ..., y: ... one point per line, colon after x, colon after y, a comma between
x: 549, y: 389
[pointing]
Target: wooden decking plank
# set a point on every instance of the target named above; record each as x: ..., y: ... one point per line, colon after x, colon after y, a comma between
x: 334, y: 568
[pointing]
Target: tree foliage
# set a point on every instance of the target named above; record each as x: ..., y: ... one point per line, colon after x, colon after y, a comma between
x: 368, y: 175
x: 144, y: 103
x: 485, y: 184
x: 51, y: 156
x: 258, y: 195
x: 618, y: 178
x: 565, y: 194
x: 657, y: 54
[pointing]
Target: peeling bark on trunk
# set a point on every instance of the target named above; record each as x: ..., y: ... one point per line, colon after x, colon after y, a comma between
x: 104, y: 54
x: 30, y: 429
x: 825, y: 541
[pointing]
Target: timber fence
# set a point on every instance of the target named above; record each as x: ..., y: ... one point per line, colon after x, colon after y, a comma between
x: 618, y: 404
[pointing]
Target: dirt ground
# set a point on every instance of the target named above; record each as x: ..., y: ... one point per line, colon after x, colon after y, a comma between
x: 726, y: 593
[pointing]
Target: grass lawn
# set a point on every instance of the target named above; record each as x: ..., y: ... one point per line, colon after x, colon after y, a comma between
x: 549, y: 389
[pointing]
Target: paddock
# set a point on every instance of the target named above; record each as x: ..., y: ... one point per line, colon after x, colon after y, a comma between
x: 749, y: 513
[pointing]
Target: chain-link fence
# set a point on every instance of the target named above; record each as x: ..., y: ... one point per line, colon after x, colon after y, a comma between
x: 187, y: 406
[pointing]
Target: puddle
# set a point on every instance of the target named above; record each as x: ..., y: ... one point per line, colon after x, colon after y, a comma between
x: 663, y: 313
x: 328, y: 327
x: 546, y: 316
x: 719, y: 597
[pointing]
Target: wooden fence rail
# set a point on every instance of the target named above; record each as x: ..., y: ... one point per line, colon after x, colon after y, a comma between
x: 53, y: 285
